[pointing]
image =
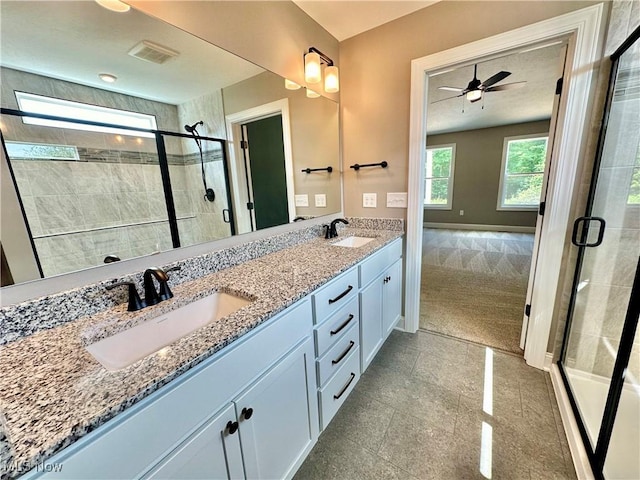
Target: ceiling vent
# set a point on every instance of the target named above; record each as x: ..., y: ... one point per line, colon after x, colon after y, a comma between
x: 152, y: 52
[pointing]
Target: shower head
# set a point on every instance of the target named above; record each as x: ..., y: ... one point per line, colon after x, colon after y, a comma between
x: 192, y: 128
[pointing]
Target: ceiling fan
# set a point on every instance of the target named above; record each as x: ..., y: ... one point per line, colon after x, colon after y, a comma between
x: 475, y: 90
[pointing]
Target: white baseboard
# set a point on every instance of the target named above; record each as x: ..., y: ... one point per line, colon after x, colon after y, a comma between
x: 480, y: 227
x: 578, y: 452
x: 548, y: 360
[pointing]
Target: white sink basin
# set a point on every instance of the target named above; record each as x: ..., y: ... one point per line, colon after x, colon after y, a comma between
x: 129, y: 346
x: 352, y: 242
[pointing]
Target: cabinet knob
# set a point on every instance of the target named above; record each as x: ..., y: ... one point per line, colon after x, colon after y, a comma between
x: 246, y: 413
x: 232, y: 427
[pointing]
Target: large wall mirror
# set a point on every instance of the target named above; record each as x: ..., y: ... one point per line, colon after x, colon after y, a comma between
x: 84, y: 196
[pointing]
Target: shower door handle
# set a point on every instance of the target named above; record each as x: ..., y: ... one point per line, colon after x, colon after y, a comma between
x: 586, y: 221
x: 226, y: 217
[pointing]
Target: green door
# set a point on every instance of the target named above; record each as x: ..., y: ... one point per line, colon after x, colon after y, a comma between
x: 268, y: 179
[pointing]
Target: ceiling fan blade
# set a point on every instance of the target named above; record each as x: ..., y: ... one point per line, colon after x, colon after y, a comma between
x: 448, y: 98
x: 495, y: 79
x: 506, y: 86
x: 451, y: 89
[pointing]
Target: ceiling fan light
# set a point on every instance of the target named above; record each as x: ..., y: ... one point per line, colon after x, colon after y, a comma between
x: 331, y: 79
x: 474, y: 95
x: 312, y: 68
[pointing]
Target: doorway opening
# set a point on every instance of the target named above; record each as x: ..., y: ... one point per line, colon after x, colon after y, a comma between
x: 583, y: 31
x: 261, y: 166
x: 480, y: 217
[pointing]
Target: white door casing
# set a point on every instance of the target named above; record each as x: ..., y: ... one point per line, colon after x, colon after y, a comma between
x: 239, y: 192
x: 585, y: 31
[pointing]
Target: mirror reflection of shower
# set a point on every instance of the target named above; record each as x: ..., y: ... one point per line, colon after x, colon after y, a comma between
x: 209, y: 194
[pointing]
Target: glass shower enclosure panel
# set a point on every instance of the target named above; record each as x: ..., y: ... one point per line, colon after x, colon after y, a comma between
x: 89, y: 198
x: 600, y: 360
x: 200, y: 189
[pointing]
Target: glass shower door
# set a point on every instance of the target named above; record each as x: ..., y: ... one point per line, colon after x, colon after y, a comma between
x: 600, y: 359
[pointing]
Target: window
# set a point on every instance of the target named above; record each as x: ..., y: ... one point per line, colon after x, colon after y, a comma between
x: 438, y: 190
x: 634, y: 188
x: 46, y: 151
x: 80, y: 111
x: 523, y: 160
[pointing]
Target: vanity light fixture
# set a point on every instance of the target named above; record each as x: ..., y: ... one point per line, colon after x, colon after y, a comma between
x: 114, y: 5
x: 107, y: 77
x: 312, y: 94
x: 289, y: 85
x: 313, y: 61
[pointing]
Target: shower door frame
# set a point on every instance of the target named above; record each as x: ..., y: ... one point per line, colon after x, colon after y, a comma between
x: 163, y: 165
x: 597, y: 456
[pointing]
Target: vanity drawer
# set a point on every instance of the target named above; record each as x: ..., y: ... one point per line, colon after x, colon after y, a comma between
x: 373, y: 266
x: 337, y: 355
x: 334, y: 393
x: 335, y: 294
x: 336, y: 326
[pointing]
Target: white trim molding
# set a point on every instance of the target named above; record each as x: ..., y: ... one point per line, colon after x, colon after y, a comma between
x: 480, y: 227
x: 236, y: 162
x: 585, y: 32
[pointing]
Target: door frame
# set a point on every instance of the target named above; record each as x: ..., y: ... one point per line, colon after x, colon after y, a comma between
x: 585, y: 31
x: 234, y: 123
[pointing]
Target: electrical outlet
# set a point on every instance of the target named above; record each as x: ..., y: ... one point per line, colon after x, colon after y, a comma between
x: 397, y: 200
x: 369, y: 200
x: 302, y: 200
x: 321, y: 200
x: 461, y: 213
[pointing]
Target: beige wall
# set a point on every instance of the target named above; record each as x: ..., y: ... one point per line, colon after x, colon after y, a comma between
x: 314, y: 136
x: 477, y: 176
x: 273, y: 34
x: 375, y: 74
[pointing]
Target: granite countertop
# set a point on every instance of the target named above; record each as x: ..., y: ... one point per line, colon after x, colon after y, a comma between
x: 52, y: 391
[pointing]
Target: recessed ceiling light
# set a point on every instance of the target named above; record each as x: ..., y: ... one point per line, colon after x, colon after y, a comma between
x: 107, y: 77
x: 114, y: 5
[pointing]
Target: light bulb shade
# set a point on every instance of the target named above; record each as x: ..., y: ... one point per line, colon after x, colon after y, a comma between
x: 331, y: 79
x: 312, y: 94
x: 114, y: 5
x: 312, y: 69
x: 289, y: 85
x: 474, y: 95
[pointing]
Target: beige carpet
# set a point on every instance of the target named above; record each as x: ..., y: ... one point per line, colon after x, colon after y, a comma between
x: 474, y: 285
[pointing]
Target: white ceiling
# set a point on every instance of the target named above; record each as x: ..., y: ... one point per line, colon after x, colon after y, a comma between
x: 540, y: 68
x: 77, y: 40
x: 345, y: 19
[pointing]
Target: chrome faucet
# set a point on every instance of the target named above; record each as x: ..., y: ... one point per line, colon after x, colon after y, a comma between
x: 331, y: 230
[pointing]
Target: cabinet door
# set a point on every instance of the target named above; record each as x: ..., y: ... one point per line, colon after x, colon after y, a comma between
x: 212, y: 452
x: 278, y: 416
x: 370, y: 322
x: 391, y: 297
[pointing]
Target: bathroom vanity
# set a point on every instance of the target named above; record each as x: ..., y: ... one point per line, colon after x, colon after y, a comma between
x: 252, y: 389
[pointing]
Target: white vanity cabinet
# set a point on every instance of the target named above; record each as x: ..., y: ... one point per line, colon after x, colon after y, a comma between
x: 264, y: 433
x: 380, y: 299
x: 184, y: 430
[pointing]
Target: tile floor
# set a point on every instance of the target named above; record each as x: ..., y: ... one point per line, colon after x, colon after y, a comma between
x: 421, y: 411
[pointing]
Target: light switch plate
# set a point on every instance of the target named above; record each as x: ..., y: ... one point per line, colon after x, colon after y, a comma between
x: 397, y: 200
x: 321, y: 200
x: 369, y: 200
x: 302, y: 200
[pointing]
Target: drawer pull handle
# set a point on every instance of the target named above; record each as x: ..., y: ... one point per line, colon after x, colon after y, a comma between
x: 344, y: 389
x: 246, y: 413
x: 344, y: 354
x: 232, y: 427
x: 333, y: 300
x: 339, y: 329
